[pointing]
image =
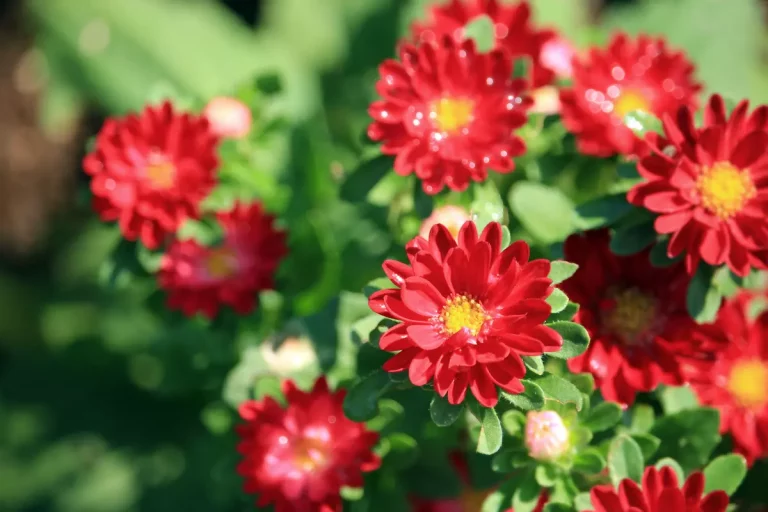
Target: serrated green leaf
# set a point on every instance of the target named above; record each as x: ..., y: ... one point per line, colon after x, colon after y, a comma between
x: 442, y: 412
x: 633, y: 239
x: 725, y: 473
x: 532, y: 399
x: 534, y: 364
x: 688, y: 436
x: 604, y: 211
x: 545, y: 212
x: 585, y: 382
x: 557, y: 300
x: 625, y: 460
x: 566, y: 315
x: 361, y: 402
x: 589, y: 462
x: 489, y: 440
x: 560, y: 390
x: 603, y: 416
x: 560, y: 270
x: 575, y: 339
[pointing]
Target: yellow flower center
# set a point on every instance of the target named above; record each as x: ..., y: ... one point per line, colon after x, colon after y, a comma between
x: 630, y: 101
x: 160, y: 171
x: 451, y: 115
x: 462, y: 312
x: 309, y: 454
x: 748, y: 383
x: 221, y: 262
x: 725, y: 189
x: 631, y: 314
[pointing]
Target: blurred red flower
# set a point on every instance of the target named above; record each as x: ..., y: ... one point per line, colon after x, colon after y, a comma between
x: 628, y: 75
x: 149, y: 172
x: 709, y: 186
x: 640, y: 330
x: 298, y: 458
x: 513, y: 31
x: 468, y: 311
x: 660, y: 491
x: 737, y: 382
x: 201, y: 279
x: 449, y: 113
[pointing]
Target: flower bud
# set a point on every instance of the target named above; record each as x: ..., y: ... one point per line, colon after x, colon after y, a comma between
x: 288, y: 357
x: 452, y: 217
x: 229, y: 118
x: 557, y: 55
x: 546, y: 436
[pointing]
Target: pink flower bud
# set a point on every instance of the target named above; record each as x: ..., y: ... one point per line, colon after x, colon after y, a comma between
x: 546, y: 100
x: 546, y: 436
x: 228, y: 117
x: 290, y: 356
x: 452, y: 217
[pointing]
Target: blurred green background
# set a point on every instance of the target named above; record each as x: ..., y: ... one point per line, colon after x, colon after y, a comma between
x: 107, y: 405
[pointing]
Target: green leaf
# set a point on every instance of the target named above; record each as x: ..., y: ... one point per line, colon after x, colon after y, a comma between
x: 603, y: 416
x: 659, y: 257
x: 688, y: 436
x: 560, y: 270
x: 726, y: 282
x: 625, y: 460
x: 532, y: 399
x: 526, y: 495
x: 566, y: 314
x: 642, y: 418
x: 633, y: 239
x: 557, y: 300
x: 725, y: 473
x: 390, y: 414
x: 583, y: 501
x: 671, y: 463
x: 603, y: 211
x: 575, y: 339
x: 560, y: 390
x: 677, y: 398
x: 589, y: 462
x: 703, y: 299
x: 481, y: 30
x: 443, y: 413
x: 403, y: 450
x: 545, y: 475
x: 380, y: 283
x: 361, y: 402
x: 648, y: 444
x: 545, y: 212
x: 487, y: 205
x: 494, y: 502
x: 489, y: 441
x: 557, y: 507
x: 362, y: 180
x: 513, y: 422
x: 585, y: 382
x: 506, y: 237
x: 642, y: 123
x: 534, y: 364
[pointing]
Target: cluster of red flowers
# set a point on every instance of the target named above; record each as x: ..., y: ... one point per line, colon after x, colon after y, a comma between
x: 150, y: 172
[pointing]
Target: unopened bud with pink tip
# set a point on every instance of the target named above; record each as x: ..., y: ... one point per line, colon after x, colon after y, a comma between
x: 229, y: 118
x: 452, y: 217
x: 557, y: 55
x: 546, y: 436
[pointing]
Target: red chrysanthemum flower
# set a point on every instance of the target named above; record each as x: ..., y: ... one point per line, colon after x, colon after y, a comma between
x: 468, y: 310
x: 512, y: 29
x: 737, y: 382
x: 710, y: 186
x: 151, y: 171
x: 201, y: 279
x: 449, y: 113
x: 660, y: 492
x: 636, y: 316
x: 627, y: 76
x: 299, y: 457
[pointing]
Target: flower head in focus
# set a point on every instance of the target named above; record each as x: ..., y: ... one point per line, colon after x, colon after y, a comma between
x: 297, y: 458
x: 629, y: 75
x: 546, y: 435
x: 513, y: 31
x: 641, y: 331
x: 229, y: 118
x: 709, y: 186
x: 202, y: 279
x: 468, y: 311
x: 737, y: 381
x: 660, y: 492
x: 448, y: 113
x: 150, y: 171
